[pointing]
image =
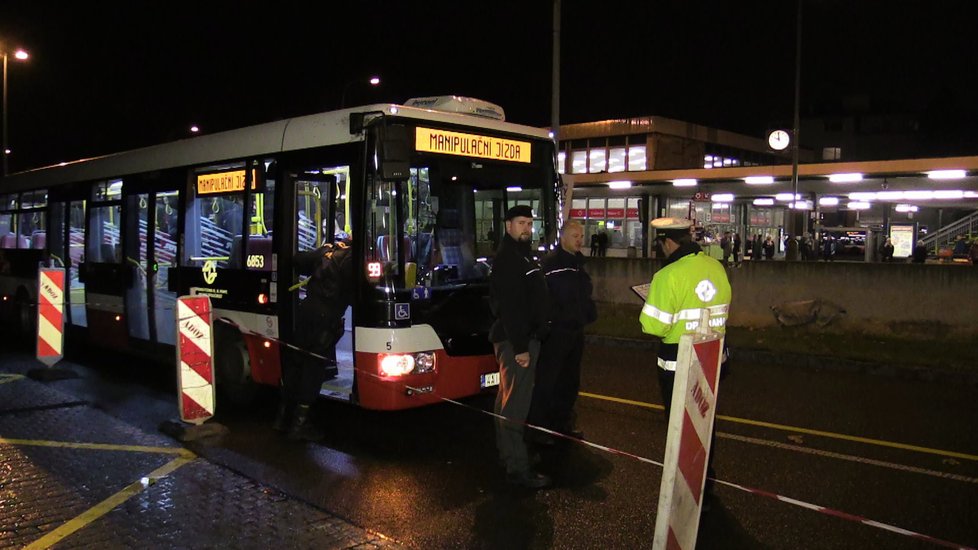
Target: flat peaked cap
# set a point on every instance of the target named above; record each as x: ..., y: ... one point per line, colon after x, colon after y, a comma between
x: 519, y: 210
x: 663, y: 224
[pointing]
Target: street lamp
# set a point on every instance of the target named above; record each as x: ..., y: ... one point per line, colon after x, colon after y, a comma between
x: 373, y: 81
x: 20, y: 55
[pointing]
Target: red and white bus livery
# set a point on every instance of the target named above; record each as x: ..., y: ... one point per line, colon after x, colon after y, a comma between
x: 419, y: 189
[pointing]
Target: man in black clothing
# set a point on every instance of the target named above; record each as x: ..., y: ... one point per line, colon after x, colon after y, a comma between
x: 519, y: 300
x: 558, y: 377
x: 318, y: 327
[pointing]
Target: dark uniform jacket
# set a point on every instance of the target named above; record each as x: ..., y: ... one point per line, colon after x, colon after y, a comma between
x: 518, y: 296
x: 330, y: 288
x: 571, y: 306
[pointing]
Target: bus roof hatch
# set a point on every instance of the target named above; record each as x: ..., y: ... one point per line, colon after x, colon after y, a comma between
x: 459, y: 104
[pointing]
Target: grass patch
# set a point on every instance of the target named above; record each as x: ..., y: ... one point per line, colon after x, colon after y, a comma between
x: 621, y: 321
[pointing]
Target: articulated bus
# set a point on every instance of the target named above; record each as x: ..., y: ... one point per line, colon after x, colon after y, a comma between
x: 420, y: 190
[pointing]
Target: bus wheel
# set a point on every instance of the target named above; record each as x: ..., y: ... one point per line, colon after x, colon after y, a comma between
x: 24, y: 318
x: 233, y: 369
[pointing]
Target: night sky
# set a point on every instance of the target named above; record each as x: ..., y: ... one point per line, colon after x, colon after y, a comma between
x: 110, y: 76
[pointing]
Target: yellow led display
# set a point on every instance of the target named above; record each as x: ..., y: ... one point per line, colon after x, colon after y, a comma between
x: 223, y: 182
x: 471, y: 145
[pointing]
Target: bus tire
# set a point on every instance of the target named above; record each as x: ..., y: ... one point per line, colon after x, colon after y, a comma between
x: 24, y: 318
x: 232, y: 367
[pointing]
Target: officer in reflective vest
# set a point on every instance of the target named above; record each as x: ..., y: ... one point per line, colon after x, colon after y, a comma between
x: 688, y: 282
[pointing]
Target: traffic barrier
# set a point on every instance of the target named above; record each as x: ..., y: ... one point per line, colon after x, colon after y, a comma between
x: 691, y: 417
x: 195, y: 359
x: 50, y: 315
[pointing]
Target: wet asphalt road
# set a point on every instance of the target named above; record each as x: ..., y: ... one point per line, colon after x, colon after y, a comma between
x: 898, y: 451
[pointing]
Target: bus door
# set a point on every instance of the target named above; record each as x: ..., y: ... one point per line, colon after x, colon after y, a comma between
x: 102, y: 271
x: 66, y: 244
x: 151, y: 223
x: 321, y: 216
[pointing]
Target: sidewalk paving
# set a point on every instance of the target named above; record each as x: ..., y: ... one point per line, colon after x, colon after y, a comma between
x: 76, y: 477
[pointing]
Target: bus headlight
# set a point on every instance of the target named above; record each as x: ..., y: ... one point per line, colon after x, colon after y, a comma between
x: 401, y: 364
x: 396, y: 364
x: 424, y: 362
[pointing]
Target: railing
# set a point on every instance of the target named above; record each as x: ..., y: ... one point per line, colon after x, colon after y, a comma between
x: 945, y: 236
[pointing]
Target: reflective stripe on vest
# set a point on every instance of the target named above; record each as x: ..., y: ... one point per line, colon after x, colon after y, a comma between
x: 692, y: 314
x: 667, y: 365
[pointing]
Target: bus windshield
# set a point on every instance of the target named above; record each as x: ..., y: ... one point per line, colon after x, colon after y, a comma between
x: 442, y: 225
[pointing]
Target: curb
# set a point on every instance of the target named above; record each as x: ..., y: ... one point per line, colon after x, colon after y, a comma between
x: 814, y: 362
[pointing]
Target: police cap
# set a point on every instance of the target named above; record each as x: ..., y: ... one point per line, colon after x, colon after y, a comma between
x: 519, y: 210
x: 672, y: 228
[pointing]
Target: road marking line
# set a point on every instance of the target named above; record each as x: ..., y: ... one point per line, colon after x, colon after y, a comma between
x: 4, y: 378
x: 623, y: 401
x: 106, y: 505
x: 98, y: 446
x: 850, y: 458
x: 782, y: 427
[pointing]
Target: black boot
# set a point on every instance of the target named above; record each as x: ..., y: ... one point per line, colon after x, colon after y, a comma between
x: 281, y: 423
x: 302, y: 428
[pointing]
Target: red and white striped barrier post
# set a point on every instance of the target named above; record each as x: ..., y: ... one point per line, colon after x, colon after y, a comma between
x: 50, y: 315
x: 691, y: 417
x: 195, y: 359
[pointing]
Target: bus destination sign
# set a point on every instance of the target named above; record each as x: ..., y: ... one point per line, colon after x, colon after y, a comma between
x: 223, y: 182
x: 471, y: 145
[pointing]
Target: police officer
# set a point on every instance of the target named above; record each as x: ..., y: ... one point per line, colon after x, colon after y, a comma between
x: 558, y: 377
x: 688, y: 281
x: 519, y: 300
x: 319, y: 326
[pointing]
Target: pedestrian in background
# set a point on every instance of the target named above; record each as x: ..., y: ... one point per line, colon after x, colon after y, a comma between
x: 558, y: 376
x: 768, y: 248
x: 828, y: 248
x: 726, y: 246
x: 886, y: 250
x: 961, y: 247
x: 736, y: 248
x: 318, y: 327
x: 919, y: 253
x: 791, y: 249
x: 520, y: 303
x: 603, y: 243
x: 688, y: 282
x: 595, y: 240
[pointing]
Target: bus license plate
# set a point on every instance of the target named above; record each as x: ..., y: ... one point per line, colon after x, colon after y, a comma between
x: 490, y: 379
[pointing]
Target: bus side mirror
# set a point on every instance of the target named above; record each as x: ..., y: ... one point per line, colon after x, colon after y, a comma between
x: 394, y: 152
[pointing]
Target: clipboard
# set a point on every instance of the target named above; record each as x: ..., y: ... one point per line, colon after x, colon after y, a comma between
x: 642, y: 290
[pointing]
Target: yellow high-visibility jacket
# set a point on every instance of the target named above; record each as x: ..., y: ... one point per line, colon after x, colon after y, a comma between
x: 676, y: 299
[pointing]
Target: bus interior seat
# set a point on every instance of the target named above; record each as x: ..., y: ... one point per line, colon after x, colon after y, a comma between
x: 39, y: 240
x: 9, y: 241
x: 454, y: 247
x: 107, y: 253
x: 382, y: 248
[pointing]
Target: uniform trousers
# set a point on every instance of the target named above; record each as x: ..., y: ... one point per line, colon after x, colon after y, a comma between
x: 558, y: 379
x: 303, y: 374
x: 513, y: 402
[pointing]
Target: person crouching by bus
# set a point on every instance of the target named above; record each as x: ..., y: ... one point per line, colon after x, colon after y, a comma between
x: 318, y: 327
x: 558, y: 377
x: 520, y: 302
x: 688, y: 281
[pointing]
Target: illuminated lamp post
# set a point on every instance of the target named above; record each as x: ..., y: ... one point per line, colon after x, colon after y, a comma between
x: 373, y: 81
x: 21, y: 55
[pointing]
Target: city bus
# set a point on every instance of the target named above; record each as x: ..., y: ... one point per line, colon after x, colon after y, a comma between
x: 418, y: 190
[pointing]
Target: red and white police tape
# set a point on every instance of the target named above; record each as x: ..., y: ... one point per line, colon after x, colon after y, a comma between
x: 195, y: 358
x: 50, y: 315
